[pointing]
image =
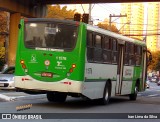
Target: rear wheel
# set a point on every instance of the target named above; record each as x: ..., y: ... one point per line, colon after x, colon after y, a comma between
x: 106, y: 95
x: 56, y: 96
x: 134, y: 95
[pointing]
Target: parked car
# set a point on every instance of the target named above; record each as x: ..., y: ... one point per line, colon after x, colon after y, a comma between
x: 155, y: 79
x: 7, y: 78
x: 147, y: 84
x: 158, y: 83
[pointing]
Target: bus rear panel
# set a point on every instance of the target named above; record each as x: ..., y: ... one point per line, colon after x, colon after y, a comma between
x: 50, y: 56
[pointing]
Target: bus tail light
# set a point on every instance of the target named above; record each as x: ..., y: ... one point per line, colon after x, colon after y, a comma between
x: 73, y: 66
x: 23, y: 64
x: 71, y: 69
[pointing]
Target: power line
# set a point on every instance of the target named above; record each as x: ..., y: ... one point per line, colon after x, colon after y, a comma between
x: 105, y: 8
x: 110, y: 7
x: 150, y: 34
x: 137, y: 24
x: 142, y: 30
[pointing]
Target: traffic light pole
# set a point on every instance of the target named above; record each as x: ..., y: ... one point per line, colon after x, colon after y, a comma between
x: 90, y: 8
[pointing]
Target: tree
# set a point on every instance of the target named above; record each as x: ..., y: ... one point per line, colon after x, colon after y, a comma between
x: 155, y: 64
x: 60, y: 13
x: 3, y: 30
x: 3, y: 21
x: 105, y: 25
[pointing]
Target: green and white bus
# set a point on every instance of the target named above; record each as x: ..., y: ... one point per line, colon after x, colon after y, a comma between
x: 67, y: 58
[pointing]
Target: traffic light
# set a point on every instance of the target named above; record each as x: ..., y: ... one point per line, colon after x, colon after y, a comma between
x: 77, y: 17
x: 85, y: 18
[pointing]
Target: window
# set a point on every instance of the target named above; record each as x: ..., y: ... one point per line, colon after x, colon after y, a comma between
x: 107, y: 49
x: 97, y: 48
x: 90, y: 46
x: 50, y: 35
x: 114, y: 51
x: 129, y: 54
x: 101, y: 48
x: 132, y: 54
x: 138, y: 53
x: 89, y: 39
x: 106, y: 43
x: 97, y: 41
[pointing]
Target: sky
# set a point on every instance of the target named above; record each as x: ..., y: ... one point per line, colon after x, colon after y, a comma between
x: 98, y: 11
x: 102, y: 11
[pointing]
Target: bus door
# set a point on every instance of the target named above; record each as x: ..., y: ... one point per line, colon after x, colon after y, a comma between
x: 119, y: 68
x: 147, y: 59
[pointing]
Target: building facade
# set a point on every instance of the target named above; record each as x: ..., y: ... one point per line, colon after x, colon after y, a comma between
x: 134, y: 20
x: 152, y: 26
x: 145, y: 17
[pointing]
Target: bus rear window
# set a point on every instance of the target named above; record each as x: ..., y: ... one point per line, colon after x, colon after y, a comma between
x: 50, y: 35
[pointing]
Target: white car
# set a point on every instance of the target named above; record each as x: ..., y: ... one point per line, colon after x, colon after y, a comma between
x: 7, y: 78
x: 147, y: 84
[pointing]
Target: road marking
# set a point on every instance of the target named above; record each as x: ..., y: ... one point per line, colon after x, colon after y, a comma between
x: 153, y: 95
x: 6, y: 98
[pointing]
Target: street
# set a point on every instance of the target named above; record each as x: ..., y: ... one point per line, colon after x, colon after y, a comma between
x: 147, y: 102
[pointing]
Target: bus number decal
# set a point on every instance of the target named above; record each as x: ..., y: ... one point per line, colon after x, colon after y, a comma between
x: 88, y: 70
x: 60, y: 60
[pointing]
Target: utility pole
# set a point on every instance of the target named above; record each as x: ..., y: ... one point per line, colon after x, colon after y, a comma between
x: 118, y: 16
x: 123, y: 26
x: 90, y: 9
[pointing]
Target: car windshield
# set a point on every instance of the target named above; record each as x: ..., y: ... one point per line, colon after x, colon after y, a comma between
x: 9, y: 70
x: 50, y: 35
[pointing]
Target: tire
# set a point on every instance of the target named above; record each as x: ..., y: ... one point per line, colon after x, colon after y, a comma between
x: 134, y: 95
x: 106, y: 95
x: 56, y: 97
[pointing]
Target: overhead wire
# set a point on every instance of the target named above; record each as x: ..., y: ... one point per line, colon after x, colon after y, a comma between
x: 104, y: 8
x: 112, y: 8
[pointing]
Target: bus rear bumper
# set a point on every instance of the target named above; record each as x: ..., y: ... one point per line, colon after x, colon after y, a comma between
x: 65, y: 85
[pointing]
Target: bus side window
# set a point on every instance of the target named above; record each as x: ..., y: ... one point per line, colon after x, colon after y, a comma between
x: 114, y: 51
x: 97, y: 48
x: 131, y: 54
x: 126, y: 56
x: 138, y: 53
x: 90, y: 46
x: 106, y: 49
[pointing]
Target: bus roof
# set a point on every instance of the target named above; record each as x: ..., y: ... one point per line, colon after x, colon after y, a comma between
x: 89, y: 27
x: 112, y: 34
x: 51, y: 20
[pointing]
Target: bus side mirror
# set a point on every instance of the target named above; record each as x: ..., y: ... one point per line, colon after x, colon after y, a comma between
x: 19, y: 26
x: 150, y: 57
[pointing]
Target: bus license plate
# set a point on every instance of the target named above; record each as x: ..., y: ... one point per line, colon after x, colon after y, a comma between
x: 47, y: 74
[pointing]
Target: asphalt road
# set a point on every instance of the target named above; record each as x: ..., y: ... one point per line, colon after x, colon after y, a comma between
x: 147, y: 102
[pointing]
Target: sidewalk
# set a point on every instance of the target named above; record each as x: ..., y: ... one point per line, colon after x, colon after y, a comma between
x: 148, y: 100
x: 13, y: 96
